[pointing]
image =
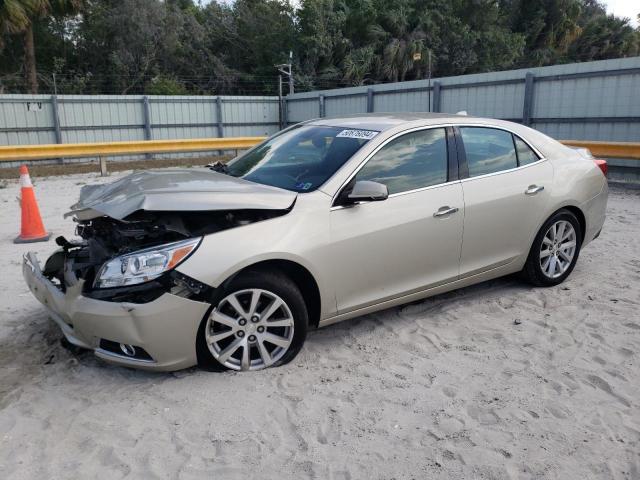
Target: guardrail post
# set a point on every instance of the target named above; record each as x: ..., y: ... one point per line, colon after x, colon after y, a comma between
x: 436, y: 96
x: 103, y: 166
x: 321, y: 105
x: 369, y: 100
x: 56, y: 118
x: 147, y: 118
x: 527, y: 108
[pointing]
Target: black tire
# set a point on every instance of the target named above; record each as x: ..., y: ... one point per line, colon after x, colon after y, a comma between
x: 532, y: 271
x: 273, y: 281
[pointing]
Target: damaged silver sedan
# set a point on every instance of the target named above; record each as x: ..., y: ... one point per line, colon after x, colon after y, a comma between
x: 229, y: 266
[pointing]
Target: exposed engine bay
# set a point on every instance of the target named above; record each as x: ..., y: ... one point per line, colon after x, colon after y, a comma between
x: 120, y: 224
x: 104, y: 238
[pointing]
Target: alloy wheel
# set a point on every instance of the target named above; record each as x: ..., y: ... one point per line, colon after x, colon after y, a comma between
x: 249, y: 329
x: 558, y: 249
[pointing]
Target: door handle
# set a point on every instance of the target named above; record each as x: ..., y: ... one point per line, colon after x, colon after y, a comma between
x: 533, y: 189
x: 442, y: 211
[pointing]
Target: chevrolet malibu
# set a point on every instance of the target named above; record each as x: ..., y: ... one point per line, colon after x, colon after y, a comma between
x: 229, y: 266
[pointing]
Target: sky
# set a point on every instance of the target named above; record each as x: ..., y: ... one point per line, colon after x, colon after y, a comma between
x: 624, y: 8
x: 620, y: 8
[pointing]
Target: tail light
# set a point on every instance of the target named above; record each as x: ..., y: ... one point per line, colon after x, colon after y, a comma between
x: 602, y: 165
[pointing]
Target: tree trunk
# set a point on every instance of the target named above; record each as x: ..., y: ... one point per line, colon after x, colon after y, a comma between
x: 30, y: 60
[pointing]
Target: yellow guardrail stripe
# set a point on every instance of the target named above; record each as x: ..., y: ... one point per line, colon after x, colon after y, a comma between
x: 627, y: 150
x: 104, y: 149
x: 608, y: 149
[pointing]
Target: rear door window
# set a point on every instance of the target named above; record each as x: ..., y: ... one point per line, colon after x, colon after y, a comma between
x: 488, y: 150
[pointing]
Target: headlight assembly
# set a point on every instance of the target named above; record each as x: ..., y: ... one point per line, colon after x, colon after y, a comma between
x: 144, y: 265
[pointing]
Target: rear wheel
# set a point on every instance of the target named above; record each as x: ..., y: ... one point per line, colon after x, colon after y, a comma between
x: 555, y: 250
x: 258, y: 321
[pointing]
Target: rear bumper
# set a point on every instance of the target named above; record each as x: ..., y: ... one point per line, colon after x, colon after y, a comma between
x: 595, y: 211
x: 166, y: 328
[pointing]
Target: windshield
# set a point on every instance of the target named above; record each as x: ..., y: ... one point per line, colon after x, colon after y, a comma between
x: 300, y: 159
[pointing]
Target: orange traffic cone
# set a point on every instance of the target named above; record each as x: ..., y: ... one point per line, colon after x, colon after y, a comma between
x: 32, y: 229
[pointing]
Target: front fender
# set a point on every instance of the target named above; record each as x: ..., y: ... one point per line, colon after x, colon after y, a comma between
x: 301, y: 236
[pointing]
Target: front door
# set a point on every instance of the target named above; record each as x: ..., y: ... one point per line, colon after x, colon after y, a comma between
x: 408, y: 242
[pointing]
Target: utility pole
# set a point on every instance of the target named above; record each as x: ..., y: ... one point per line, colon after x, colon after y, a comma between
x: 291, y: 72
x: 287, y: 69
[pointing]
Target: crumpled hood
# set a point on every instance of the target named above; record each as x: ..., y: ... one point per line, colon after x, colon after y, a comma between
x: 192, y: 189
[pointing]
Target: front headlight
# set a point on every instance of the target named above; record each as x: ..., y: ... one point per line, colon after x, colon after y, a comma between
x: 144, y: 265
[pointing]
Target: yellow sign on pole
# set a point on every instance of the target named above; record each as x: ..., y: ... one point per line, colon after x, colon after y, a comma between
x: 417, y: 56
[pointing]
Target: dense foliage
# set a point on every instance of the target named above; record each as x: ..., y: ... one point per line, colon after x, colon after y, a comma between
x: 182, y: 47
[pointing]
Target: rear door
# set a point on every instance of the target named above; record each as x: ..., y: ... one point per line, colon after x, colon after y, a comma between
x: 504, y: 195
x: 411, y: 240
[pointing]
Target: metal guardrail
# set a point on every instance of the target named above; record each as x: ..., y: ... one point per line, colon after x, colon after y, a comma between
x: 618, y: 150
x: 626, y: 150
x: 107, y: 149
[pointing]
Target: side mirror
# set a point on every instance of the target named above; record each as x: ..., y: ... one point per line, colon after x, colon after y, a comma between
x: 368, y: 191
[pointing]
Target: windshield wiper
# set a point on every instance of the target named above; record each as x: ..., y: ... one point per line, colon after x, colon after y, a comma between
x: 219, y: 167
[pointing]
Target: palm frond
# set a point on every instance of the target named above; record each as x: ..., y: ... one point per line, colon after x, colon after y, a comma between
x: 14, y: 16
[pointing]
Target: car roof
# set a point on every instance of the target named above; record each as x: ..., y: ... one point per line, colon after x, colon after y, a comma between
x: 385, y: 121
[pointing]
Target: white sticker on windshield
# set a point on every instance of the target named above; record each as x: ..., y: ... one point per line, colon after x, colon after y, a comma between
x: 363, y: 134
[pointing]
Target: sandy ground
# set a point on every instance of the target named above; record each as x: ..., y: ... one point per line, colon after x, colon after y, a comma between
x: 497, y: 381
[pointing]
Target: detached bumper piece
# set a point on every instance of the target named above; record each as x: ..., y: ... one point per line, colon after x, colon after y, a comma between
x: 158, y: 335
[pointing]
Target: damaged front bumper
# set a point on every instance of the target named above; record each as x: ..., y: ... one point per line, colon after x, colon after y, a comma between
x: 162, y: 332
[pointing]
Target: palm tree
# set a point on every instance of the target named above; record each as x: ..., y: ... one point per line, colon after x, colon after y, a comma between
x: 358, y: 64
x: 19, y: 16
x: 397, y: 56
x: 14, y: 17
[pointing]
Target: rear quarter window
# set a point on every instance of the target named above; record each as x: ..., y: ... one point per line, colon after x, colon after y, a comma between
x: 525, y: 154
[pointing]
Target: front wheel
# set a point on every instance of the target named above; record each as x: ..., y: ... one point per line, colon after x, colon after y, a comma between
x: 258, y: 321
x: 555, y: 250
